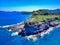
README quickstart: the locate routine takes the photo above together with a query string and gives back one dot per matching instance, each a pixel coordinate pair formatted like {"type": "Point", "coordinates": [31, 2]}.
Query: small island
{"type": "Point", "coordinates": [39, 23]}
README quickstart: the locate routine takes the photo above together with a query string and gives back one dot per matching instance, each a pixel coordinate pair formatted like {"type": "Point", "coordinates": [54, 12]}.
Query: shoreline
{"type": "Point", "coordinates": [6, 26]}
{"type": "Point", "coordinates": [31, 37]}
{"type": "Point", "coordinates": [46, 27]}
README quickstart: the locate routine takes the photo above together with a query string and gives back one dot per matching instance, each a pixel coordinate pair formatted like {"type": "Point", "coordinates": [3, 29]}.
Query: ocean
{"type": "Point", "coordinates": [52, 38]}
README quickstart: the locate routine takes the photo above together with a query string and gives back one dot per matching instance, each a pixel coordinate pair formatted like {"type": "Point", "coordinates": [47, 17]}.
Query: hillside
{"type": "Point", "coordinates": [41, 15]}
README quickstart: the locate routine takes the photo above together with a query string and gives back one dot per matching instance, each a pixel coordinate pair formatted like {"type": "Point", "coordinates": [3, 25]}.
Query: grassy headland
{"type": "Point", "coordinates": [40, 15]}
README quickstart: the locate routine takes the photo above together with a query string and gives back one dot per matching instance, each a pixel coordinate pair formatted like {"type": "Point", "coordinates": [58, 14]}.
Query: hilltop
{"type": "Point", "coordinates": [43, 14]}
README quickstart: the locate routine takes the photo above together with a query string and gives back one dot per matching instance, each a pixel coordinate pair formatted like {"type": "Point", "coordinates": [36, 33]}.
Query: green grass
{"type": "Point", "coordinates": [39, 18]}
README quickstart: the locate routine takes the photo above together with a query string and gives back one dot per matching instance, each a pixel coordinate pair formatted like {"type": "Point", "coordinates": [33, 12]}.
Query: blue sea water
{"type": "Point", "coordinates": [53, 38]}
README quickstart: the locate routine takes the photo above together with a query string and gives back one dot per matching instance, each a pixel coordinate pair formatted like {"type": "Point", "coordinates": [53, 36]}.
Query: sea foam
{"type": "Point", "coordinates": [14, 34]}
{"type": "Point", "coordinates": [6, 26]}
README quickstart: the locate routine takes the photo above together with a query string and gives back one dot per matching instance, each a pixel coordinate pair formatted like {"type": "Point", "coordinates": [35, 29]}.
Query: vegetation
{"type": "Point", "coordinates": [40, 15]}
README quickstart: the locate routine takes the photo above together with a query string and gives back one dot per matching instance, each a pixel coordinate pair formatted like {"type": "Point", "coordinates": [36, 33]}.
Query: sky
{"type": "Point", "coordinates": [28, 5]}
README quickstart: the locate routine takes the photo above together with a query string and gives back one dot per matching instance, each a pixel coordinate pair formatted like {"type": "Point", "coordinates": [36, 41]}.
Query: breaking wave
{"type": "Point", "coordinates": [14, 34]}
{"type": "Point", "coordinates": [6, 26]}
{"type": "Point", "coordinates": [49, 30]}
{"type": "Point", "coordinates": [27, 37]}
{"type": "Point", "coordinates": [43, 33]}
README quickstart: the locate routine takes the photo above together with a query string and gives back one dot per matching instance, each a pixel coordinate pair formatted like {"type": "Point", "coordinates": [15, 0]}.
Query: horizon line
{"type": "Point", "coordinates": [27, 8]}
{"type": "Point", "coordinates": [26, 11]}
